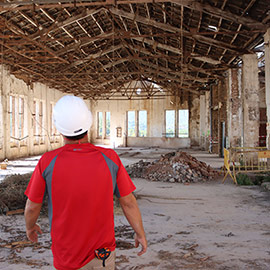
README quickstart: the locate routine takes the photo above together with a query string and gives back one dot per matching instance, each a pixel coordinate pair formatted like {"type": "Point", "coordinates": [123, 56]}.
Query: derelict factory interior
{"type": "Point", "coordinates": [168, 74]}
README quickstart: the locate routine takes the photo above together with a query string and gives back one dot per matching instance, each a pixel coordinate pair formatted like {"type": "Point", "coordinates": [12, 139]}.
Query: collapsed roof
{"type": "Point", "coordinates": [96, 49]}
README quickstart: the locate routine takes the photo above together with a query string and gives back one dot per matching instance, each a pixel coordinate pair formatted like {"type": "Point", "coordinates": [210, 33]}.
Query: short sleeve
{"type": "Point", "coordinates": [37, 186]}
{"type": "Point", "coordinates": [124, 184]}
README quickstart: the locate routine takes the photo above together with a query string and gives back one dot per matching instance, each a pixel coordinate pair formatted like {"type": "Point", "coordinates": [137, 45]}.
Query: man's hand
{"type": "Point", "coordinates": [141, 241]}
{"type": "Point", "coordinates": [32, 234]}
{"type": "Point", "coordinates": [31, 214]}
{"type": "Point", "coordinates": [133, 215]}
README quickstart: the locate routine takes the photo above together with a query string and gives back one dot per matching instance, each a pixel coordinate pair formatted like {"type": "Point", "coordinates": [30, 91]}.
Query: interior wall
{"type": "Point", "coordinates": [155, 122]}
{"type": "Point", "coordinates": [18, 136]}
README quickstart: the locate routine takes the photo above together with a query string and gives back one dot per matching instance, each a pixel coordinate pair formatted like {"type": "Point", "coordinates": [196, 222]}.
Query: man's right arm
{"type": "Point", "coordinates": [133, 215]}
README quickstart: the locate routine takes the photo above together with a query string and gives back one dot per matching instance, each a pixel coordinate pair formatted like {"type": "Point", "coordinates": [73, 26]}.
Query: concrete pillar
{"type": "Point", "coordinates": [203, 116]}
{"type": "Point", "coordinates": [194, 120]}
{"type": "Point", "coordinates": [250, 98]}
{"type": "Point", "coordinates": [267, 83]}
{"type": "Point", "coordinates": [234, 108]}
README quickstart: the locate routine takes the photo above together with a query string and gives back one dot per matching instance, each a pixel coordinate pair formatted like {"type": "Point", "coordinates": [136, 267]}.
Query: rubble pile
{"type": "Point", "coordinates": [12, 192]}
{"type": "Point", "coordinates": [12, 198]}
{"type": "Point", "coordinates": [173, 167]}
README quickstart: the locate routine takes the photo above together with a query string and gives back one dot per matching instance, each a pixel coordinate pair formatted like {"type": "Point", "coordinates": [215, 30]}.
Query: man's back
{"type": "Point", "coordinates": [80, 181]}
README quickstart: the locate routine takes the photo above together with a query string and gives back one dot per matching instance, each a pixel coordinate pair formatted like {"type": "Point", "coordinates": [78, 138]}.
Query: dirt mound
{"type": "Point", "coordinates": [12, 190]}
{"type": "Point", "coordinates": [173, 167]}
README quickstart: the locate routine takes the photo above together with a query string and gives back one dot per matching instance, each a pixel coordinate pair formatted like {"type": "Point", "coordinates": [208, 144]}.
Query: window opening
{"type": "Point", "coordinates": [170, 123]}
{"type": "Point", "coordinates": [11, 112]}
{"type": "Point", "coordinates": [183, 120]}
{"type": "Point", "coordinates": [21, 117]}
{"type": "Point", "coordinates": [142, 126]}
{"type": "Point", "coordinates": [108, 124]}
{"type": "Point", "coordinates": [131, 124]}
{"type": "Point", "coordinates": [100, 124]}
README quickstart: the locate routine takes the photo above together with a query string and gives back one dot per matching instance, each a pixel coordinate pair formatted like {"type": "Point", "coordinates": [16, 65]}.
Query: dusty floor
{"type": "Point", "coordinates": [198, 226]}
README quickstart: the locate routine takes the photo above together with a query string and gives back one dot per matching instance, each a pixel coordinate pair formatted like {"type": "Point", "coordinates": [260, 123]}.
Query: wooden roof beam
{"type": "Point", "coordinates": [219, 13]}
{"type": "Point", "coordinates": [25, 36]}
{"type": "Point", "coordinates": [86, 13]}
{"type": "Point", "coordinates": [206, 59]}
{"type": "Point", "coordinates": [175, 78]}
{"type": "Point", "coordinates": [187, 67]}
{"type": "Point", "coordinates": [96, 55]}
{"type": "Point", "coordinates": [172, 29]}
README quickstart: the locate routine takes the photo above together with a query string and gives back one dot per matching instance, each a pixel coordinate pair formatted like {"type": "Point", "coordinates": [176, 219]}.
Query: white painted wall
{"type": "Point", "coordinates": [155, 118]}
{"type": "Point", "coordinates": [14, 148]}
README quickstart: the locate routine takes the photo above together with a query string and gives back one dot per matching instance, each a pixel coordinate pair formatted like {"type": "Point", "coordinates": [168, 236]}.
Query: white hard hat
{"type": "Point", "coordinates": [71, 116]}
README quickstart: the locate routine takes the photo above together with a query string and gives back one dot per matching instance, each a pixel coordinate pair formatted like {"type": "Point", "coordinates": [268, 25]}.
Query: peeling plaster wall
{"type": "Point", "coordinates": [219, 116]}
{"type": "Point", "coordinates": [204, 120]}
{"type": "Point", "coordinates": [234, 108]}
{"type": "Point", "coordinates": [155, 122]}
{"type": "Point", "coordinates": [14, 148]}
{"type": "Point", "coordinates": [267, 83]}
{"type": "Point", "coordinates": [250, 97]}
{"type": "Point", "coordinates": [194, 128]}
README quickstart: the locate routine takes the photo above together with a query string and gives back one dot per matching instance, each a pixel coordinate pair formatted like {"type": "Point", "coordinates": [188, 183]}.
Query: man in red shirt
{"type": "Point", "coordinates": [80, 180]}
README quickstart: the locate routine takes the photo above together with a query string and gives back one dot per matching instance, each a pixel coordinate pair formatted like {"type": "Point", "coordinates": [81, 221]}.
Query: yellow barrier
{"type": "Point", "coordinates": [227, 166]}
{"type": "Point", "coordinates": [245, 159]}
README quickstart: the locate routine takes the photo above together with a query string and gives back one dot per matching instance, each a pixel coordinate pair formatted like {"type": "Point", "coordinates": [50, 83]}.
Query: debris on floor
{"type": "Point", "coordinates": [173, 167]}
{"type": "Point", "coordinates": [12, 192]}
{"type": "Point", "coordinates": [12, 198]}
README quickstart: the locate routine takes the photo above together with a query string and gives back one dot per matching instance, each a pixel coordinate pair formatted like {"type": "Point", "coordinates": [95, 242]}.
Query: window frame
{"type": "Point", "coordinates": [178, 123]}
{"type": "Point", "coordinates": [99, 125]}
{"type": "Point", "coordinates": [135, 126]}
{"type": "Point", "coordinates": [174, 126]}
{"type": "Point", "coordinates": [139, 130]}
{"type": "Point", "coordinates": [106, 122]}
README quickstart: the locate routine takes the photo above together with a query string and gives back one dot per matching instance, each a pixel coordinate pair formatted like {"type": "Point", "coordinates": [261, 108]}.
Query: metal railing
{"type": "Point", "coordinates": [244, 160]}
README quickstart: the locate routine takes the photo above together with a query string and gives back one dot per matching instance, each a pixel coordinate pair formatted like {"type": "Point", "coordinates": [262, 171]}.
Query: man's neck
{"type": "Point", "coordinates": [83, 140]}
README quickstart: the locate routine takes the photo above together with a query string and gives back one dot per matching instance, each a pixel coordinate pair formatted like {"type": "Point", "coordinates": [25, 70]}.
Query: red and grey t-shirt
{"type": "Point", "coordinates": [80, 180]}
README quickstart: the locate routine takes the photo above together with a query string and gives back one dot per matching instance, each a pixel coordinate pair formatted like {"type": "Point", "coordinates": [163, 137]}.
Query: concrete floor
{"type": "Point", "coordinates": [196, 226]}
{"type": "Point", "coordinates": [128, 156]}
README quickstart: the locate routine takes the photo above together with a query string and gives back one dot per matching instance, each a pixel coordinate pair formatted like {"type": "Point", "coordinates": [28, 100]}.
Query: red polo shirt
{"type": "Point", "coordinates": [80, 180]}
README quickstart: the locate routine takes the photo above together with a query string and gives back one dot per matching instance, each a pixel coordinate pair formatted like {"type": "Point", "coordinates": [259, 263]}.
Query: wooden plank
{"type": "Point", "coordinates": [15, 212]}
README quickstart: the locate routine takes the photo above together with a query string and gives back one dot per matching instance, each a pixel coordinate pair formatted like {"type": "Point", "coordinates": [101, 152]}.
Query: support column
{"type": "Point", "coordinates": [203, 116]}
{"type": "Point", "coordinates": [250, 98]}
{"type": "Point", "coordinates": [194, 120]}
{"type": "Point", "coordinates": [267, 83]}
{"type": "Point", "coordinates": [234, 108]}
{"type": "Point", "coordinates": [2, 116]}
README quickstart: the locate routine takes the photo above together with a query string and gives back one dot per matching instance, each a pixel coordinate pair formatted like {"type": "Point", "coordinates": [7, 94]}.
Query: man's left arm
{"type": "Point", "coordinates": [133, 215]}
{"type": "Point", "coordinates": [31, 214]}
